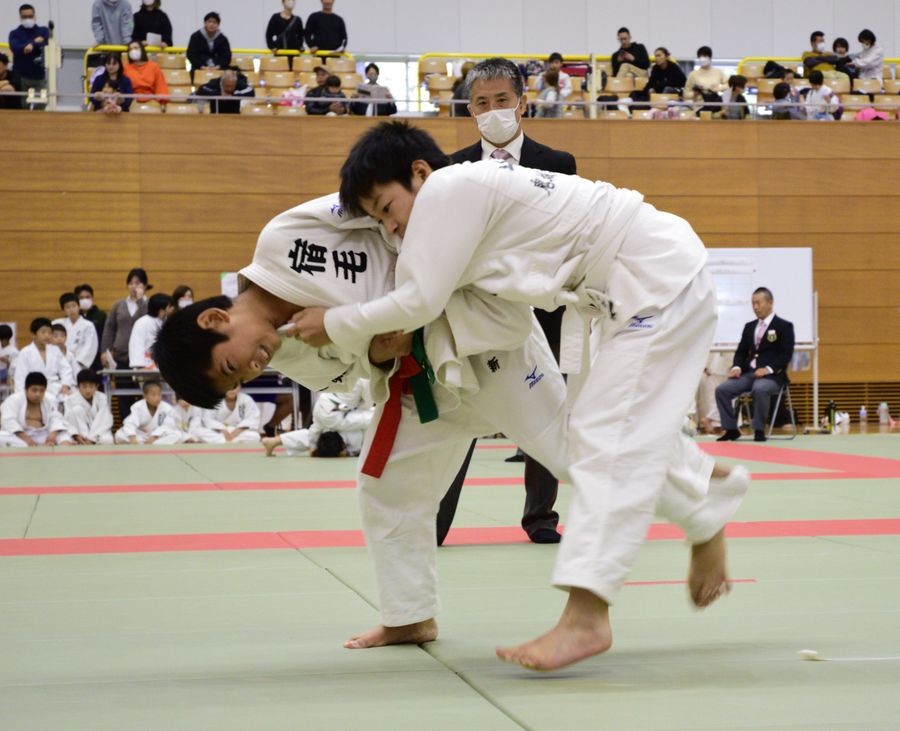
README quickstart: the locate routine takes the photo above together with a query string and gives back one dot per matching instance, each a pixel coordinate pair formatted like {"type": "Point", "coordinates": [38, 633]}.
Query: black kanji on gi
{"type": "Point", "coordinates": [494, 364]}
{"type": "Point", "coordinates": [352, 263]}
{"type": "Point", "coordinates": [307, 257]}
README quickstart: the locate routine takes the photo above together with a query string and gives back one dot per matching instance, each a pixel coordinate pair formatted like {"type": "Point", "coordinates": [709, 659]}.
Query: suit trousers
{"type": "Point", "coordinates": [762, 390]}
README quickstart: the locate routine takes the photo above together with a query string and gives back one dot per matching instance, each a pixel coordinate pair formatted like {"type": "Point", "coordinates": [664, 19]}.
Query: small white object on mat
{"type": "Point", "coordinates": [815, 656]}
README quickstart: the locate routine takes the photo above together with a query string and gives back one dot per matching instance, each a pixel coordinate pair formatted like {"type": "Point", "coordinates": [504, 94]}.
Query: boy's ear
{"type": "Point", "coordinates": [213, 318]}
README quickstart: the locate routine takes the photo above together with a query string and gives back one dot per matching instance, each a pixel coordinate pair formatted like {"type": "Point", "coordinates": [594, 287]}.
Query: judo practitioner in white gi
{"type": "Point", "coordinates": [42, 356]}
{"type": "Point", "coordinates": [81, 335]}
{"type": "Point", "coordinates": [184, 425]}
{"type": "Point", "coordinates": [634, 281]}
{"type": "Point", "coordinates": [235, 419]}
{"type": "Point", "coordinates": [146, 417]}
{"type": "Point", "coordinates": [145, 330]}
{"type": "Point", "coordinates": [87, 411]}
{"type": "Point", "coordinates": [30, 417]}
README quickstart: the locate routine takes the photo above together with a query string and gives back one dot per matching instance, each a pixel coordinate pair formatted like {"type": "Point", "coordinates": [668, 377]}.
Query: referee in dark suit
{"type": "Point", "coordinates": [497, 101]}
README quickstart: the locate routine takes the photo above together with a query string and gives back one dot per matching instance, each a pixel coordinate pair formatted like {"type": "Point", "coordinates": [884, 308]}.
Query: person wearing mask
{"type": "Point", "coordinates": [182, 297]}
{"type": "Point", "coordinates": [10, 82]}
{"type": "Point", "coordinates": [629, 59]}
{"type": "Point", "coordinates": [285, 30]}
{"type": "Point", "coordinates": [208, 47]}
{"type": "Point", "coordinates": [666, 77]}
{"type": "Point", "coordinates": [112, 22]}
{"type": "Point", "coordinates": [325, 30]}
{"type": "Point", "coordinates": [818, 58]}
{"type": "Point", "coordinates": [151, 20]}
{"type": "Point", "coordinates": [146, 76]}
{"type": "Point", "coordinates": [706, 82]}
{"type": "Point", "coordinates": [870, 61]}
{"type": "Point", "coordinates": [375, 100]}
{"type": "Point", "coordinates": [91, 313]}
{"type": "Point", "coordinates": [107, 88]}
{"type": "Point", "coordinates": [231, 83]}
{"type": "Point", "coordinates": [27, 43]}
{"type": "Point", "coordinates": [119, 324]}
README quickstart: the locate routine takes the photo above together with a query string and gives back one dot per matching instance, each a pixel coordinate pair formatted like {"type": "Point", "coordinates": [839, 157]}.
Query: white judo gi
{"type": "Point", "coordinates": [348, 414]}
{"type": "Point", "coordinates": [8, 354]}
{"type": "Point", "coordinates": [13, 420]}
{"type": "Point", "coordinates": [140, 423]}
{"type": "Point", "coordinates": [91, 420]}
{"type": "Point", "coordinates": [54, 366]}
{"type": "Point", "coordinates": [636, 276]}
{"type": "Point", "coordinates": [245, 415]}
{"type": "Point", "coordinates": [143, 335]}
{"type": "Point", "coordinates": [182, 424]}
{"type": "Point", "coordinates": [81, 340]}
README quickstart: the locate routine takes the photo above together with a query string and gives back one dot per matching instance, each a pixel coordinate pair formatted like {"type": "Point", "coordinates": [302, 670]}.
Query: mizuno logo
{"type": "Point", "coordinates": [534, 378]}
{"type": "Point", "coordinates": [640, 323]}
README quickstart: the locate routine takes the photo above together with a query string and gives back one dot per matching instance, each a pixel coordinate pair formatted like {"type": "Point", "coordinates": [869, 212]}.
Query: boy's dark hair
{"type": "Point", "coordinates": [623, 29]}
{"type": "Point", "coordinates": [555, 56]}
{"type": "Point", "coordinates": [213, 16]}
{"type": "Point", "coordinates": [867, 36]}
{"type": "Point", "coordinates": [35, 378]}
{"type": "Point", "coordinates": [157, 303]}
{"type": "Point", "coordinates": [84, 288]}
{"type": "Point", "coordinates": [704, 51]}
{"type": "Point", "coordinates": [736, 81]}
{"type": "Point", "coordinates": [816, 77]}
{"type": "Point", "coordinates": [781, 90]}
{"type": "Point", "coordinates": [330, 444]}
{"type": "Point", "coordinates": [59, 328]}
{"type": "Point", "coordinates": [183, 353]}
{"type": "Point", "coordinates": [65, 298]}
{"type": "Point", "coordinates": [333, 80]}
{"type": "Point", "coordinates": [5, 332]}
{"type": "Point", "coordinates": [840, 43]}
{"type": "Point", "coordinates": [4, 59]}
{"type": "Point", "coordinates": [766, 291]}
{"type": "Point", "coordinates": [38, 322]}
{"type": "Point", "coordinates": [373, 66]}
{"type": "Point", "coordinates": [148, 384]}
{"type": "Point", "coordinates": [816, 34]}
{"type": "Point", "coordinates": [86, 375]}
{"type": "Point", "coordinates": [384, 154]}
{"type": "Point", "coordinates": [26, 6]}
{"type": "Point", "coordinates": [140, 274]}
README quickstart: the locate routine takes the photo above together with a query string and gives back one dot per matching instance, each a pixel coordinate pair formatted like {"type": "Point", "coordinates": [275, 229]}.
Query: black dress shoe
{"type": "Point", "coordinates": [759, 436]}
{"type": "Point", "coordinates": [519, 456]}
{"type": "Point", "coordinates": [730, 435]}
{"type": "Point", "coordinates": [545, 535]}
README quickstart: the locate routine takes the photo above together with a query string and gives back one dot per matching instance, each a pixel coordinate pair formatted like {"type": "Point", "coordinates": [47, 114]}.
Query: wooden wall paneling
{"type": "Point", "coordinates": [854, 325]}
{"type": "Point", "coordinates": [841, 251]}
{"type": "Point", "coordinates": [89, 251]}
{"type": "Point", "coordinates": [219, 173]}
{"type": "Point", "coordinates": [39, 290]}
{"type": "Point", "coordinates": [705, 140]}
{"type": "Point", "coordinates": [73, 171]}
{"type": "Point", "coordinates": [204, 284]}
{"type": "Point", "coordinates": [732, 215]}
{"type": "Point", "coordinates": [780, 140]}
{"type": "Point", "coordinates": [858, 363]}
{"type": "Point", "coordinates": [210, 212]}
{"type": "Point", "coordinates": [665, 176]}
{"type": "Point", "coordinates": [197, 252]}
{"type": "Point", "coordinates": [594, 168]}
{"type": "Point", "coordinates": [582, 139]}
{"type": "Point", "coordinates": [829, 214]}
{"type": "Point", "coordinates": [871, 288]}
{"type": "Point", "coordinates": [105, 214]}
{"type": "Point", "coordinates": [86, 133]}
{"type": "Point", "coordinates": [229, 134]}
{"type": "Point", "coordinates": [851, 178]}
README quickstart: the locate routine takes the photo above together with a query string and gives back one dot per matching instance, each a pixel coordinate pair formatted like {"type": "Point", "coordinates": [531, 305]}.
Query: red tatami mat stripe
{"type": "Point", "coordinates": [457, 537]}
{"type": "Point", "coordinates": [850, 463]}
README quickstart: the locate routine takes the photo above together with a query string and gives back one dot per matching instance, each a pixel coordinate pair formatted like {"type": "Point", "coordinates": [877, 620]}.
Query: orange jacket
{"type": "Point", "coordinates": [147, 79]}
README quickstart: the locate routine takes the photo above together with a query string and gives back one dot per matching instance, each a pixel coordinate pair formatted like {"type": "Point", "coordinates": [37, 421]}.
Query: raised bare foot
{"type": "Point", "coordinates": [582, 631]}
{"type": "Point", "coordinates": [409, 634]}
{"type": "Point", "coordinates": [708, 576]}
{"type": "Point", "coordinates": [270, 443]}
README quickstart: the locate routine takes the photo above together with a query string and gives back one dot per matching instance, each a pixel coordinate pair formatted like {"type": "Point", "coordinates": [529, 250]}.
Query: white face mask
{"type": "Point", "coordinates": [134, 54]}
{"type": "Point", "coordinates": [866, 46]}
{"type": "Point", "coordinates": [820, 47]}
{"type": "Point", "coordinates": [185, 302]}
{"type": "Point", "coordinates": [704, 61]}
{"type": "Point", "coordinates": [149, 3]}
{"type": "Point", "coordinates": [28, 23]}
{"type": "Point", "coordinates": [498, 125]}
{"type": "Point", "coordinates": [85, 303]}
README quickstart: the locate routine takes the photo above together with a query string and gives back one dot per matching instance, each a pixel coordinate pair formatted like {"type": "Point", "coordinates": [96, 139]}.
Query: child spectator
{"type": "Point", "coordinates": [734, 103]}
{"type": "Point", "coordinates": [547, 102]}
{"type": "Point", "coordinates": [235, 419]}
{"type": "Point", "coordinates": [145, 330]}
{"type": "Point", "coordinates": [58, 337]}
{"type": "Point", "coordinates": [91, 313]}
{"type": "Point", "coordinates": [784, 106]}
{"type": "Point", "coordinates": [184, 425]}
{"type": "Point", "coordinates": [207, 47]}
{"type": "Point", "coordinates": [29, 418]}
{"type": "Point", "coordinates": [81, 338]}
{"type": "Point", "coordinates": [182, 297]}
{"type": "Point", "coordinates": [41, 356]}
{"type": "Point", "coordinates": [87, 411]}
{"type": "Point", "coordinates": [844, 61]}
{"type": "Point", "coordinates": [666, 76]}
{"type": "Point", "coordinates": [145, 75]}
{"type": "Point", "coordinates": [331, 90]}
{"type": "Point", "coordinates": [145, 418]}
{"type": "Point", "coordinates": [150, 19]}
{"type": "Point", "coordinates": [9, 83]}
{"type": "Point", "coordinates": [8, 354]}
{"type": "Point", "coordinates": [821, 101]}
{"type": "Point", "coordinates": [107, 88]}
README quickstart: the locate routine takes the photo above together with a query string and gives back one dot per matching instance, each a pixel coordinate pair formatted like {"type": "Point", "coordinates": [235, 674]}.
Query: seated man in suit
{"type": "Point", "coordinates": [496, 93]}
{"type": "Point", "coordinates": [759, 366]}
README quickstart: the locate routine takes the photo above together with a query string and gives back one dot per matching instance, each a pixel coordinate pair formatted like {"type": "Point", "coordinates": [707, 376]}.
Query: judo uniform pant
{"type": "Point", "coordinates": [628, 456]}
{"type": "Point", "coordinates": [122, 438]}
{"type": "Point", "coordinates": [79, 420]}
{"type": "Point", "coordinates": [40, 436]}
{"type": "Point", "coordinates": [213, 436]}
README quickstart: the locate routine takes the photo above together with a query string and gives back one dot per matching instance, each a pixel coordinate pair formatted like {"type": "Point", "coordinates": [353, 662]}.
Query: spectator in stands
{"type": "Point", "coordinates": [208, 47]}
{"type": "Point", "coordinates": [107, 88]}
{"type": "Point", "coordinates": [759, 366]}
{"type": "Point", "coordinates": [8, 354]}
{"type": "Point", "coordinates": [733, 100]}
{"type": "Point", "coordinates": [30, 417]}
{"type": "Point", "coordinates": [27, 43]}
{"type": "Point", "coordinates": [122, 316]}
{"type": "Point", "coordinates": [460, 91]}
{"type": "Point", "coordinates": [231, 83]}
{"type": "Point", "coordinates": [145, 330]}
{"type": "Point", "coordinates": [325, 30]}
{"type": "Point", "coordinates": [629, 59]}
{"type": "Point", "coordinates": [330, 91]}
{"type": "Point", "coordinates": [375, 100]}
{"type": "Point", "coordinates": [554, 63]}
{"type": "Point", "coordinates": [182, 297]}
{"type": "Point", "coordinates": [784, 106]}
{"type": "Point", "coordinates": [870, 61]}
{"type": "Point", "coordinates": [818, 59]}
{"type": "Point", "coordinates": [81, 335]}
{"type": "Point", "coordinates": [666, 76]}
{"type": "Point", "coordinates": [547, 104]}
{"type": "Point", "coordinates": [285, 30]}
{"type": "Point", "coordinates": [9, 84]}
{"type": "Point", "coordinates": [145, 75]}
{"type": "Point", "coordinates": [150, 19]}
{"type": "Point", "coordinates": [321, 77]}
{"type": "Point", "coordinates": [112, 22]}
{"type": "Point", "coordinates": [42, 356]}
{"type": "Point", "coordinates": [841, 48]}
{"type": "Point", "coordinates": [706, 82]}
{"type": "Point", "coordinates": [91, 313]}
{"type": "Point", "coordinates": [821, 101]}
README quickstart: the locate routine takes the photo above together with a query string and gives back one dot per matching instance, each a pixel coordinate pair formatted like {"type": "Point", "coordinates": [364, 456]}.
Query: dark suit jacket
{"type": "Point", "coordinates": [538, 157]}
{"type": "Point", "coordinates": [775, 349]}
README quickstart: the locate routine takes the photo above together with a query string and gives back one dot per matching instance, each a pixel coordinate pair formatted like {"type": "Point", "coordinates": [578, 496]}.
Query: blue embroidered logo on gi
{"type": "Point", "coordinates": [534, 378]}
{"type": "Point", "coordinates": [337, 210]}
{"type": "Point", "coordinates": [544, 181]}
{"type": "Point", "coordinates": [640, 323]}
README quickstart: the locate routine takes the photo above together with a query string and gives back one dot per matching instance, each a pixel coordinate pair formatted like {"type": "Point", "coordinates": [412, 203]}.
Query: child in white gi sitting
{"type": "Point", "coordinates": [29, 417]}
{"type": "Point", "coordinates": [235, 419]}
{"type": "Point", "coordinates": [145, 418]}
{"type": "Point", "coordinates": [59, 337]}
{"type": "Point", "coordinates": [44, 357]}
{"type": "Point", "coordinates": [184, 425]}
{"type": "Point", "coordinates": [87, 411]}
{"type": "Point", "coordinates": [8, 353]}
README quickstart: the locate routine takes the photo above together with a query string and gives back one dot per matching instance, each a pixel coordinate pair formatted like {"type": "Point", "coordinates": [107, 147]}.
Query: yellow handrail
{"type": "Point", "coordinates": [792, 59]}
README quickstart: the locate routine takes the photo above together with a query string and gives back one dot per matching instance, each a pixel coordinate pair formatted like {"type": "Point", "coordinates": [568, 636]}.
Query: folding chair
{"type": "Point", "coordinates": [784, 393]}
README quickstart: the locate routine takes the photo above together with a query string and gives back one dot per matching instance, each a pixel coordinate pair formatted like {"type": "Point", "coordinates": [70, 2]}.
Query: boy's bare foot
{"type": "Point", "coordinates": [270, 443]}
{"type": "Point", "coordinates": [409, 634]}
{"type": "Point", "coordinates": [708, 576]}
{"type": "Point", "coordinates": [582, 631]}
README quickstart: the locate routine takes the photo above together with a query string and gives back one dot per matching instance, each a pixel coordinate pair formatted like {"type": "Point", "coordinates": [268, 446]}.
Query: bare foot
{"type": "Point", "coordinates": [582, 631]}
{"type": "Point", "coordinates": [270, 443]}
{"type": "Point", "coordinates": [409, 634]}
{"type": "Point", "coordinates": [708, 576]}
